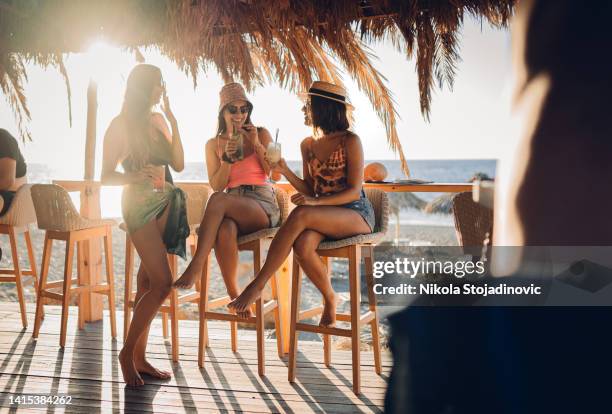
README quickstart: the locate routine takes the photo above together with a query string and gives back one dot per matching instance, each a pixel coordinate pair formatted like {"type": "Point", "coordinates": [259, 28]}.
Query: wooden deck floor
{"type": "Point", "coordinates": [88, 371]}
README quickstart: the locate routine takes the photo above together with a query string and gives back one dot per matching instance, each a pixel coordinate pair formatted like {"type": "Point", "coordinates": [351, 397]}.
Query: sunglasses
{"type": "Point", "coordinates": [234, 109]}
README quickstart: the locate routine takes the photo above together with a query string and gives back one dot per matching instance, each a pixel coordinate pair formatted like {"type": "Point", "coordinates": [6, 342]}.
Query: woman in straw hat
{"type": "Point", "coordinates": [331, 202]}
{"type": "Point", "coordinates": [153, 209]}
{"type": "Point", "coordinates": [249, 203]}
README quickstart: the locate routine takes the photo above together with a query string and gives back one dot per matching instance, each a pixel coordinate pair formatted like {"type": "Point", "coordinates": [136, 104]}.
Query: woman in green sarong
{"type": "Point", "coordinates": [155, 215]}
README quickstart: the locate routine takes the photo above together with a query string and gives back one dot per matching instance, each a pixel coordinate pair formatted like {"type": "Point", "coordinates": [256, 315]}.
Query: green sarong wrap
{"type": "Point", "coordinates": [140, 204]}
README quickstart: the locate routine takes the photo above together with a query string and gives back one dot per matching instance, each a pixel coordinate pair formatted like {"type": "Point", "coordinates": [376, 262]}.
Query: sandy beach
{"type": "Point", "coordinates": [409, 234]}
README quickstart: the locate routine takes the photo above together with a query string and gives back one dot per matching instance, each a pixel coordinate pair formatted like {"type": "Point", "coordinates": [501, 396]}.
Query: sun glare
{"type": "Point", "coordinates": [101, 58]}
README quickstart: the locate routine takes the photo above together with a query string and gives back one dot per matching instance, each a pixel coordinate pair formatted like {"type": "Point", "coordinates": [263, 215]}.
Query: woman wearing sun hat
{"type": "Point", "coordinates": [248, 203]}
{"type": "Point", "coordinates": [330, 199]}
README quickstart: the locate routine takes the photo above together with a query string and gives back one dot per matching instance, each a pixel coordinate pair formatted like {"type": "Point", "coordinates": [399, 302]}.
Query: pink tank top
{"type": "Point", "coordinates": [248, 171]}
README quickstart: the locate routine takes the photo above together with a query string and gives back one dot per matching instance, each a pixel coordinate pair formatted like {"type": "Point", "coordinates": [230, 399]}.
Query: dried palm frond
{"type": "Point", "coordinates": [251, 41]}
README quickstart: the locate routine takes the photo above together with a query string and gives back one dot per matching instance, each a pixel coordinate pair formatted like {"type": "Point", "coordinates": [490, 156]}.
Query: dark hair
{"type": "Point", "coordinates": [221, 127]}
{"type": "Point", "coordinates": [137, 110]}
{"type": "Point", "coordinates": [327, 115]}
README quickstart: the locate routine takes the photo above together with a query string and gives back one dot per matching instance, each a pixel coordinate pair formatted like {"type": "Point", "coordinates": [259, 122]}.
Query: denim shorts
{"type": "Point", "coordinates": [364, 208]}
{"type": "Point", "coordinates": [265, 195]}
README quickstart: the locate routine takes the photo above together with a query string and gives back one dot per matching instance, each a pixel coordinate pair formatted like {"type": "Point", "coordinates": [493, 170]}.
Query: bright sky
{"type": "Point", "coordinates": [470, 122]}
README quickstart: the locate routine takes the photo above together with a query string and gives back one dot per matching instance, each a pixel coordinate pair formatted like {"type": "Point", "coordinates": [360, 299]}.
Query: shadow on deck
{"type": "Point", "coordinates": [88, 370]}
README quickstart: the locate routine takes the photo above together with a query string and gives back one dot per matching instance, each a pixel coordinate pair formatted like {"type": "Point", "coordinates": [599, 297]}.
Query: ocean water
{"type": "Point", "coordinates": [450, 171]}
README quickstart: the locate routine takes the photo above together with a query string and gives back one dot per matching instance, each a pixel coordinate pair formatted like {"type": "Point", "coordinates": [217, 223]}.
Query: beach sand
{"type": "Point", "coordinates": [409, 234]}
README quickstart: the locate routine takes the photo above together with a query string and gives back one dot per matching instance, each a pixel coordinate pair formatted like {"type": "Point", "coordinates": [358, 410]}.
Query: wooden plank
{"type": "Point", "coordinates": [237, 377]}
{"type": "Point", "coordinates": [77, 386]}
{"type": "Point", "coordinates": [76, 185]}
{"type": "Point", "coordinates": [404, 188]}
{"type": "Point", "coordinates": [158, 349]}
{"type": "Point", "coordinates": [161, 400]}
{"type": "Point", "coordinates": [88, 370]}
{"type": "Point", "coordinates": [97, 335]}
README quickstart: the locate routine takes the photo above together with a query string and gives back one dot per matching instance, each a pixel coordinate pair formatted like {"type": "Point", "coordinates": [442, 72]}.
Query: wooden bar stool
{"type": "Point", "coordinates": [353, 249]}
{"type": "Point", "coordinates": [16, 221]}
{"type": "Point", "coordinates": [255, 242]}
{"type": "Point", "coordinates": [58, 217]}
{"type": "Point", "coordinates": [196, 198]}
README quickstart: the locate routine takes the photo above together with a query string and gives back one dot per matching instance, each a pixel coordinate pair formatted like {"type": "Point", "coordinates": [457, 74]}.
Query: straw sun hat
{"type": "Point", "coordinates": [232, 92]}
{"type": "Point", "coordinates": [328, 91]}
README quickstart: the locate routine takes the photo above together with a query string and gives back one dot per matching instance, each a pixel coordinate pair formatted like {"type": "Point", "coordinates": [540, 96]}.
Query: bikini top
{"type": "Point", "coordinates": [159, 154]}
{"type": "Point", "coordinates": [329, 176]}
{"type": "Point", "coordinates": [247, 171]}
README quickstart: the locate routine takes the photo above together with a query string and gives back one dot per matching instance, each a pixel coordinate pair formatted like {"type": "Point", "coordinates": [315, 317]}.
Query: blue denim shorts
{"type": "Point", "coordinates": [364, 208]}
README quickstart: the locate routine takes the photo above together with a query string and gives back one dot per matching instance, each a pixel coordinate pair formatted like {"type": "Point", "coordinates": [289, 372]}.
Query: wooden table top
{"type": "Point", "coordinates": [75, 185]}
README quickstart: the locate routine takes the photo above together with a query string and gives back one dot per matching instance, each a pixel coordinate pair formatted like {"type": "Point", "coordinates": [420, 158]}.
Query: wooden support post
{"type": "Point", "coordinates": [92, 305]}
{"type": "Point", "coordinates": [284, 277]}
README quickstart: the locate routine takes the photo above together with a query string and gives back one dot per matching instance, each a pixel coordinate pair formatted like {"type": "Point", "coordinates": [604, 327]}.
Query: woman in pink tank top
{"type": "Point", "coordinates": [244, 201]}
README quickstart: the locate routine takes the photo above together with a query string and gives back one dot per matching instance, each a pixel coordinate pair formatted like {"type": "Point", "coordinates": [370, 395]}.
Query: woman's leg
{"type": "Point", "coordinates": [333, 222]}
{"type": "Point", "coordinates": [305, 250]}
{"type": "Point", "coordinates": [152, 252]}
{"type": "Point", "coordinates": [142, 365]}
{"type": "Point", "coordinates": [246, 212]}
{"type": "Point", "coordinates": [226, 251]}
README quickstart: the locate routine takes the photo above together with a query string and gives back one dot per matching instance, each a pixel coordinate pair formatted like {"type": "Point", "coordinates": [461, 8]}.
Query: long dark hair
{"type": "Point", "coordinates": [222, 127]}
{"type": "Point", "coordinates": [137, 111]}
{"type": "Point", "coordinates": [327, 115]}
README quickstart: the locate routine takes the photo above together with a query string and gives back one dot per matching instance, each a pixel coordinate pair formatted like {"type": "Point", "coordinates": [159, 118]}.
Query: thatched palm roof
{"type": "Point", "coordinates": [251, 41]}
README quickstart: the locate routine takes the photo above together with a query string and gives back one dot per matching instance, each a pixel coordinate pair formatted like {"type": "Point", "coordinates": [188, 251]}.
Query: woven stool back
{"type": "Point", "coordinates": [21, 212]}
{"type": "Point", "coordinates": [54, 208]}
{"type": "Point", "coordinates": [380, 202]}
{"type": "Point", "coordinates": [472, 221]}
{"type": "Point", "coordinates": [197, 197]}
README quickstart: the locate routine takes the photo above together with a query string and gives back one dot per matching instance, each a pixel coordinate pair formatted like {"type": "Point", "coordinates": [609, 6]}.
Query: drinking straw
{"type": "Point", "coordinates": [276, 138]}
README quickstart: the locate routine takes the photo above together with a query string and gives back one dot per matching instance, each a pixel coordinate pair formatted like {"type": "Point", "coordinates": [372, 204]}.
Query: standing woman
{"type": "Point", "coordinates": [156, 218]}
{"type": "Point", "coordinates": [331, 203]}
{"type": "Point", "coordinates": [249, 203]}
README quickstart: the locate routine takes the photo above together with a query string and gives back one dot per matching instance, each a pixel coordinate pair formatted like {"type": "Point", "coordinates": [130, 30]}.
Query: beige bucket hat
{"type": "Point", "coordinates": [232, 92]}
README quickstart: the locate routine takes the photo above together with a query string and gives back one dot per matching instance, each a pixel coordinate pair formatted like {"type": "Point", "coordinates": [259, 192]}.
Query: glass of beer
{"type": "Point", "coordinates": [159, 178]}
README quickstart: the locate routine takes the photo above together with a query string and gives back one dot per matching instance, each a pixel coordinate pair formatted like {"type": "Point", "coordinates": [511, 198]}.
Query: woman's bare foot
{"type": "Point", "coordinates": [249, 295]}
{"type": "Point", "coordinates": [129, 371]}
{"type": "Point", "coordinates": [144, 367]}
{"type": "Point", "coordinates": [328, 317]}
{"type": "Point", "coordinates": [246, 314]}
{"type": "Point", "coordinates": [188, 277]}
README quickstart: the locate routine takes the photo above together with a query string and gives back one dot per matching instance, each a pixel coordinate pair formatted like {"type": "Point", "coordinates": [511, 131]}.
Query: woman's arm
{"type": "Point", "coordinates": [305, 185]}
{"type": "Point", "coordinates": [260, 140]}
{"type": "Point", "coordinates": [114, 149]}
{"type": "Point", "coordinates": [177, 161]}
{"type": "Point", "coordinates": [8, 168]}
{"type": "Point", "coordinates": [354, 179]}
{"type": "Point", "coordinates": [218, 170]}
